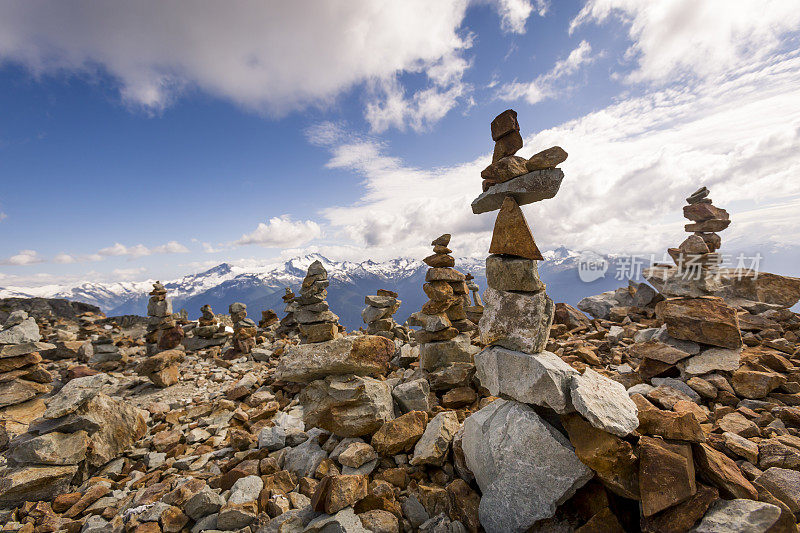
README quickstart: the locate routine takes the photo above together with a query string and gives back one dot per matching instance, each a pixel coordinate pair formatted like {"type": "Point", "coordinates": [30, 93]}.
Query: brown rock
{"type": "Point", "coordinates": [464, 504]}
{"type": "Point", "coordinates": [604, 521]}
{"type": "Point", "coordinates": [682, 517]}
{"type": "Point", "coordinates": [321, 332]}
{"type": "Point", "coordinates": [667, 424]}
{"type": "Point", "coordinates": [443, 274]}
{"type": "Point", "coordinates": [511, 233]}
{"type": "Point", "coordinates": [401, 434]}
{"type": "Point", "coordinates": [701, 212]}
{"type": "Point", "coordinates": [165, 377]}
{"type": "Point", "coordinates": [658, 351]}
{"type": "Point", "coordinates": [666, 474]}
{"type": "Point", "coordinates": [708, 320]}
{"type": "Point", "coordinates": [441, 240]}
{"type": "Point", "coordinates": [754, 384]}
{"type": "Point", "coordinates": [507, 145]}
{"type": "Point", "coordinates": [505, 169]}
{"type": "Point", "coordinates": [708, 225]}
{"type": "Point", "coordinates": [458, 397]}
{"type": "Point", "coordinates": [439, 261]}
{"type": "Point", "coordinates": [334, 493]}
{"type": "Point", "coordinates": [608, 455]}
{"type": "Point", "coordinates": [719, 470]}
{"type": "Point", "coordinates": [549, 158]}
{"type": "Point", "coordinates": [504, 123]}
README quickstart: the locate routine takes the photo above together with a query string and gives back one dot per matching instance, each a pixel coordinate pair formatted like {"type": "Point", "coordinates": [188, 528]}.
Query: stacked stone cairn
{"type": "Point", "coordinates": [208, 332]}
{"type": "Point", "coordinates": [443, 336]}
{"type": "Point", "coordinates": [87, 326]}
{"type": "Point", "coordinates": [23, 380]}
{"type": "Point", "coordinates": [509, 446]}
{"type": "Point", "coordinates": [164, 336]}
{"type": "Point", "coordinates": [81, 430]}
{"type": "Point", "coordinates": [244, 332]}
{"type": "Point", "coordinates": [268, 319]}
{"type": "Point", "coordinates": [163, 331]}
{"type": "Point", "coordinates": [377, 315]}
{"type": "Point", "coordinates": [474, 309]}
{"type": "Point", "coordinates": [105, 351]}
{"type": "Point", "coordinates": [317, 323]}
{"type": "Point", "coordinates": [288, 325]}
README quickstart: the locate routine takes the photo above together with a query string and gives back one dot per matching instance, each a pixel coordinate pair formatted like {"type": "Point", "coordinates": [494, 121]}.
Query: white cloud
{"type": "Point", "coordinates": [140, 250]}
{"type": "Point", "coordinates": [64, 259]}
{"type": "Point", "coordinates": [549, 85]}
{"type": "Point", "coordinates": [23, 258]}
{"type": "Point", "coordinates": [270, 56]}
{"type": "Point", "coordinates": [128, 273]}
{"type": "Point", "coordinates": [631, 165]}
{"type": "Point", "coordinates": [282, 232]}
{"type": "Point", "coordinates": [515, 13]}
{"type": "Point", "coordinates": [705, 39]}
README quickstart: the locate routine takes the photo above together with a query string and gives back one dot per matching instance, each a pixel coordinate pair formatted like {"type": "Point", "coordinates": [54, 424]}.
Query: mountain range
{"type": "Point", "coordinates": [261, 287]}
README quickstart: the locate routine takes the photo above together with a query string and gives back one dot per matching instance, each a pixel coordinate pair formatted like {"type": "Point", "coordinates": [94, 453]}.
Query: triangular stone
{"type": "Point", "coordinates": [511, 235]}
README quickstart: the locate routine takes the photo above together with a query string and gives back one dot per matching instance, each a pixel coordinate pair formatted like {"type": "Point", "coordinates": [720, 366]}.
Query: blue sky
{"type": "Point", "coordinates": [152, 140]}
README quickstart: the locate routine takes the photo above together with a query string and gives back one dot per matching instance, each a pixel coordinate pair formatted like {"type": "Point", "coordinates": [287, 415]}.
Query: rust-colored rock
{"type": "Point", "coordinates": [511, 234]}
{"type": "Point", "coordinates": [708, 320]}
{"type": "Point", "coordinates": [549, 158]}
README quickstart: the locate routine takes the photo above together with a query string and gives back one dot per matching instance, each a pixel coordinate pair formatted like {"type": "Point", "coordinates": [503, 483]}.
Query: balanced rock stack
{"type": "Point", "coordinates": [268, 319]}
{"type": "Point", "coordinates": [317, 323]}
{"type": "Point", "coordinates": [163, 332]}
{"type": "Point", "coordinates": [81, 430]}
{"type": "Point", "coordinates": [509, 446]}
{"type": "Point", "coordinates": [288, 325]}
{"type": "Point", "coordinates": [377, 315]}
{"type": "Point", "coordinates": [208, 332]}
{"type": "Point", "coordinates": [87, 326]}
{"type": "Point", "coordinates": [525, 180]}
{"type": "Point", "coordinates": [105, 352]}
{"type": "Point", "coordinates": [443, 335]}
{"type": "Point", "coordinates": [700, 247]}
{"type": "Point", "coordinates": [22, 379]}
{"type": "Point", "coordinates": [474, 310]}
{"type": "Point", "coordinates": [244, 332]}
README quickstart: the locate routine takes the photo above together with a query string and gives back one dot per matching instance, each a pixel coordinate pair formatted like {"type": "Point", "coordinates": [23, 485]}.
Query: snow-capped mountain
{"type": "Point", "coordinates": [261, 286]}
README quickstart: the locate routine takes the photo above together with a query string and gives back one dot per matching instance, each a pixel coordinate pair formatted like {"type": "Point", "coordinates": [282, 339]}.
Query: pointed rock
{"type": "Point", "coordinates": [511, 234]}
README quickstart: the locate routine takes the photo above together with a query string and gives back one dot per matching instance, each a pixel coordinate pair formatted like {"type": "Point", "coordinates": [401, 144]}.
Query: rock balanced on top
{"type": "Point", "coordinates": [706, 220]}
{"type": "Point", "coordinates": [378, 315]}
{"type": "Point", "coordinates": [244, 332]}
{"type": "Point", "coordinates": [317, 323]}
{"type": "Point", "coordinates": [288, 324]}
{"type": "Point", "coordinates": [163, 332]}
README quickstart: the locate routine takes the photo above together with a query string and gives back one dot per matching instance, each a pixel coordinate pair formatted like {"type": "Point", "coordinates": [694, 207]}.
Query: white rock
{"type": "Point", "coordinates": [540, 378]}
{"type": "Point", "coordinates": [711, 360]}
{"type": "Point", "coordinates": [738, 516]}
{"type": "Point", "coordinates": [432, 447]}
{"type": "Point", "coordinates": [604, 403]}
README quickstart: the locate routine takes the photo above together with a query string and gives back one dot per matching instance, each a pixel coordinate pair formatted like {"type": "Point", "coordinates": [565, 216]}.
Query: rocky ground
{"type": "Point", "coordinates": [260, 443]}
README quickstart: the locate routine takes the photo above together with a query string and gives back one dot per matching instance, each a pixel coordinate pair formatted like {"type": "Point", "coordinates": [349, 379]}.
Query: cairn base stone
{"type": "Point", "coordinates": [517, 321]}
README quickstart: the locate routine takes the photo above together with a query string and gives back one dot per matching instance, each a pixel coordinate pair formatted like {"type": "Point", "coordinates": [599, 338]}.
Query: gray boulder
{"type": "Point", "coordinates": [516, 320]}
{"type": "Point", "coordinates": [524, 467]}
{"type": "Point", "coordinates": [604, 403]}
{"type": "Point", "coordinates": [738, 516]}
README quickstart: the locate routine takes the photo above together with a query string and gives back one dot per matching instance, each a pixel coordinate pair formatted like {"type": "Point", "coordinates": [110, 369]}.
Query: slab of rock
{"type": "Point", "coordinates": [401, 434]}
{"type": "Point", "coordinates": [24, 332]}
{"type": "Point", "coordinates": [719, 470]}
{"type": "Point", "coordinates": [604, 403]}
{"type": "Point", "coordinates": [511, 234]}
{"type": "Point", "coordinates": [666, 474]}
{"type": "Point", "coordinates": [503, 124]}
{"type": "Point", "coordinates": [348, 406]}
{"type": "Point", "coordinates": [16, 350]}
{"type": "Point", "coordinates": [511, 450]}
{"type": "Point", "coordinates": [516, 321]}
{"type": "Point", "coordinates": [52, 449]}
{"type": "Point", "coordinates": [355, 354]}
{"type": "Point", "coordinates": [34, 483]}
{"type": "Point", "coordinates": [598, 305]}
{"type": "Point", "coordinates": [505, 169]}
{"type": "Point", "coordinates": [526, 189]}
{"type": "Point", "coordinates": [540, 379]}
{"type": "Point", "coordinates": [684, 515]}
{"type": "Point", "coordinates": [413, 395]}
{"type": "Point", "coordinates": [609, 456]}
{"type": "Point", "coordinates": [739, 516]}
{"type": "Point", "coordinates": [432, 447]}
{"type": "Point", "coordinates": [711, 360]}
{"type": "Point", "coordinates": [509, 273]}
{"type": "Point", "coordinates": [658, 351]}
{"type": "Point", "coordinates": [784, 484]}
{"type": "Point", "coordinates": [706, 320]}
{"type": "Point", "coordinates": [20, 390]}
{"type": "Point", "coordinates": [435, 355]}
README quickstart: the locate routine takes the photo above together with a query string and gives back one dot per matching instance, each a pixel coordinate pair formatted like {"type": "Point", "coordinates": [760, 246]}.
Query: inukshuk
{"type": "Point", "coordinates": [377, 314]}
{"type": "Point", "coordinates": [244, 332]}
{"type": "Point", "coordinates": [316, 321]}
{"type": "Point", "coordinates": [442, 337]}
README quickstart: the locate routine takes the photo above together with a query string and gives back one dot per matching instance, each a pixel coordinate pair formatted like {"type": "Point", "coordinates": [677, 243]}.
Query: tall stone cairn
{"type": "Point", "coordinates": [377, 314]}
{"type": "Point", "coordinates": [23, 380]}
{"type": "Point", "coordinates": [443, 337]}
{"type": "Point", "coordinates": [163, 332]}
{"type": "Point", "coordinates": [698, 251]}
{"type": "Point", "coordinates": [317, 323]}
{"type": "Point", "coordinates": [244, 332]}
{"type": "Point", "coordinates": [288, 324]}
{"type": "Point", "coordinates": [473, 309]}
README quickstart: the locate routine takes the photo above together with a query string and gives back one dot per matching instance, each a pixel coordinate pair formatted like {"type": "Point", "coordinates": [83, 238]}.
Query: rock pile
{"type": "Point", "coordinates": [244, 332]}
{"type": "Point", "coordinates": [317, 323]}
{"type": "Point", "coordinates": [23, 379]}
{"type": "Point", "coordinates": [443, 335]}
{"type": "Point", "coordinates": [163, 332]}
{"type": "Point", "coordinates": [81, 430]}
{"type": "Point", "coordinates": [208, 332]}
{"type": "Point", "coordinates": [288, 326]}
{"type": "Point", "coordinates": [377, 315]}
